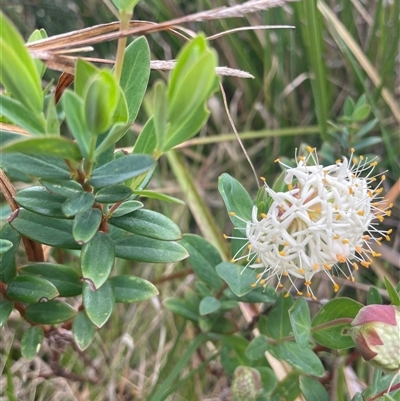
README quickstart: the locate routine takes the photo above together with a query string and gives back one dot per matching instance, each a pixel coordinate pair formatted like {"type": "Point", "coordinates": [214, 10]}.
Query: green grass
{"type": "Point", "coordinates": [302, 78]}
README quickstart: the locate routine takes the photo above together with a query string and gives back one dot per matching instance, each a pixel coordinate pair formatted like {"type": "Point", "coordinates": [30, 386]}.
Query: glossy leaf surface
{"type": "Point", "coordinates": [113, 193]}
{"type": "Point", "coordinates": [86, 225]}
{"type": "Point", "coordinates": [52, 312]}
{"type": "Point", "coordinates": [83, 330]}
{"type": "Point", "coordinates": [78, 204]}
{"type": "Point", "coordinates": [98, 304]}
{"type": "Point", "coordinates": [31, 342]}
{"type": "Point", "coordinates": [237, 277]}
{"type": "Point", "coordinates": [132, 289]}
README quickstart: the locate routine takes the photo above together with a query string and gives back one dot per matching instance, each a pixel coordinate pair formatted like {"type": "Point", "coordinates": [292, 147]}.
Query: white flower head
{"type": "Point", "coordinates": [327, 217]}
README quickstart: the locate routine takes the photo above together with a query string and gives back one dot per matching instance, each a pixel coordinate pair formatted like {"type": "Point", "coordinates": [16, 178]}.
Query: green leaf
{"type": "Point", "coordinates": [132, 289]}
{"type": "Point", "coordinates": [117, 131]}
{"type": "Point", "coordinates": [120, 170]}
{"type": "Point", "coordinates": [160, 118]}
{"type": "Point", "coordinates": [46, 230]}
{"type": "Point", "coordinates": [8, 265]}
{"type": "Point", "coordinates": [6, 308]}
{"type": "Point", "coordinates": [97, 260]}
{"type": "Point", "coordinates": [373, 296]}
{"type": "Point", "coordinates": [209, 305]}
{"type": "Point", "coordinates": [257, 348]}
{"type": "Point", "coordinates": [239, 278]}
{"type": "Point", "coordinates": [365, 129]}
{"type": "Point", "coordinates": [52, 312]}
{"type": "Point", "coordinates": [75, 117]}
{"type": "Point", "coordinates": [113, 193]}
{"type": "Point", "coordinates": [86, 225]}
{"type": "Point", "coordinates": [288, 389]}
{"type": "Point", "coordinates": [48, 167]}
{"type": "Point", "coordinates": [18, 71]}
{"type": "Point", "coordinates": [83, 330]}
{"type": "Point", "coordinates": [144, 249]}
{"type": "Point", "coordinates": [31, 342]}
{"type": "Point", "coordinates": [312, 389]}
{"type": "Point", "coordinates": [64, 278]}
{"type": "Point", "coordinates": [31, 289]}
{"type": "Point", "coordinates": [180, 307]}
{"type": "Point", "coordinates": [302, 359]}
{"type": "Point", "coordinates": [35, 36]}
{"type": "Point", "coordinates": [135, 75]}
{"type": "Point", "coordinates": [222, 325]}
{"type": "Point", "coordinates": [39, 200]}
{"type": "Point", "coordinates": [147, 140]}
{"type": "Point", "coordinates": [236, 199]}
{"type": "Point", "coordinates": [20, 115]}
{"type": "Point", "coordinates": [149, 224]}
{"type": "Point", "coordinates": [64, 188]}
{"type": "Point", "coordinates": [157, 195]}
{"type": "Point", "coordinates": [203, 258]}
{"type": "Point", "coordinates": [335, 337]}
{"type": "Point", "coordinates": [278, 322]}
{"type": "Point", "coordinates": [348, 107]}
{"type": "Point", "coordinates": [393, 294]}
{"type": "Point", "coordinates": [300, 320]}
{"type": "Point", "coordinates": [361, 112]}
{"type": "Point", "coordinates": [84, 73]}
{"type": "Point", "coordinates": [127, 207]}
{"type": "Point", "coordinates": [53, 124]}
{"type": "Point", "coordinates": [51, 146]}
{"type": "Point", "coordinates": [98, 304]}
{"type": "Point", "coordinates": [5, 245]}
{"type": "Point", "coordinates": [78, 204]}
{"type": "Point", "coordinates": [258, 295]}
{"type": "Point", "coordinates": [100, 101]}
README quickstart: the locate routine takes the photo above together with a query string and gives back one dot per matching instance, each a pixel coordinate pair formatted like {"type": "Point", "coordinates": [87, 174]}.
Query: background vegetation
{"type": "Point", "coordinates": [338, 49]}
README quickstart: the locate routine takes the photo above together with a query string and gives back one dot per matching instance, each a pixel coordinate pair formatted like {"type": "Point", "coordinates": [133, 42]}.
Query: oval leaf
{"type": "Point", "coordinates": [299, 315]}
{"type": "Point", "coordinates": [5, 246]}
{"type": "Point", "coordinates": [46, 230]}
{"type": "Point", "coordinates": [113, 193]}
{"type": "Point", "coordinates": [236, 200]}
{"type": "Point", "coordinates": [180, 307]}
{"type": "Point", "coordinates": [51, 146]}
{"type": "Point", "coordinates": [31, 342]}
{"type": "Point", "coordinates": [78, 204]}
{"type": "Point", "coordinates": [64, 278]}
{"type": "Point", "coordinates": [97, 259]}
{"type": "Point", "coordinates": [39, 200]}
{"type": "Point", "coordinates": [86, 225]}
{"type": "Point", "coordinates": [121, 169]}
{"type": "Point", "coordinates": [144, 249]}
{"type": "Point", "coordinates": [209, 305]}
{"type": "Point", "coordinates": [98, 304]}
{"type": "Point", "coordinates": [237, 277]}
{"type": "Point", "coordinates": [83, 330]}
{"type": "Point", "coordinates": [149, 224]}
{"type": "Point", "coordinates": [52, 312]}
{"type": "Point", "coordinates": [64, 188]}
{"type": "Point", "coordinates": [31, 289]}
{"type": "Point", "coordinates": [6, 308]}
{"type": "Point", "coordinates": [312, 389]}
{"type": "Point", "coordinates": [203, 259]}
{"type": "Point", "coordinates": [257, 348]}
{"type": "Point", "coordinates": [132, 289]}
{"type": "Point", "coordinates": [127, 207]}
{"type": "Point", "coordinates": [335, 337]}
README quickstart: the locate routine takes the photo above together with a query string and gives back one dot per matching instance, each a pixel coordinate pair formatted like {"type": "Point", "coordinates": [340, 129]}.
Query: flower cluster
{"type": "Point", "coordinates": [324, 221]}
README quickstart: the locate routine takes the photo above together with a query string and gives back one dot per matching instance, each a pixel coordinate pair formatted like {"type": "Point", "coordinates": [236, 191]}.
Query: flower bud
{"type": "Point", "coordinates": [246, 384]}
{"type": "Point", "coordinates": [376, 334]}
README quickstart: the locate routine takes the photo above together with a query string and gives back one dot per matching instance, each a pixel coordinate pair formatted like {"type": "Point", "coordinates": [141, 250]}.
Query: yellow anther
{"type": "Point", "coordinates": [372, 179]}
{"type": "Point", "coordinates": [263, 281]}
{"type": "Point", "coordinates": [376, 254]}
{"type": "Point", "coordinates": [361, 212]}
{"type": "Point", "coordinates": [351, 191]}
{"type": "Point", "coordinates": [232, 213]}
{"type": "Point", "coordinates": [286, 295]}
{"type": "Point", "coordinates": [338, 217]}
{"type": "Point", "coordinates": [366, 237]}
{"type": "Point", "coordinates": [308, 295]}
{"type": "Point", "coordinates": [263, 215]}
{"type": "Point", "coordinates": [355, 265]}
{"type": "Point", "coordinates": [370, 194]}
{"type": "Point", "coordinates": [378, 191]}
{"type": "Point", "coordinates": [355, 160]}
{"type": "Point", "coordinates": [290, 187]}
{"type": "Point", "coordinates": [253, 285]}
{"type": "Point", "coordinates": [282, 253]}
{"type": "Point", "coordinates": [307, 282]}
{"type": "Point", "coordinates": [353, 279]}
{"type": "Point", "coordinates": [383, 177]}
{"type": "Point", "coordinates": [336, 236]}
{"type": "Point", "coordinates": [225, 236]}
{"type": "Point", "coordinates": [341, 258]}
{"type": "Point", "coordinates": [387, 238]}
{"type": "Point", "coordinates": [358, 248]}
{"type": "Point", "coordinates": [365, 263]}
{"type": "Point", "coordinates": [277, 160]}
{"type": "Point", "coordinates": [380, 218]}
{"type": "Point", "coordinates": [285, 243]}
{"type": "Point", "coordinates": [301, 158]}
{"type": "Point", "coordinates": [263, 179]}
{"type": "Point", "coordinates": [285, 274]}
{"type": "Point", "coordinates": [389, 231]}
{"type": "Point", "coordinates": [373, 164]}
{"type": "Point", "coordinates": [310, 149]}
{"type": "Point", "coordinates": [299, 293]}
{"type": "Point", "coordinates": [352, 150]}
{"type": "Point", "coordinates": [258, 260]}
{"type": "Point", "coordinates": [361, 157]}
{"type": "Point", "coordinates": [327, 267]}
{"type": "Point", "coordinates": [316, 266]}
{"type": "Point", "coordinates": [233, 260]}
{"type": "Point", "coordinates": [249, 247]}
{"type": "Point", "coordinates": [301, 271]}
{"type": "Point", "coordinates": [338, 161]}
{"type": "Point", "coordinates": [280, 285]}
{"type": "Point", "coordinates": [345, 241]}
{"type": "Point", "coordinates": [335, 287]}
{"type": "Point", "coordinates": [388, 212]}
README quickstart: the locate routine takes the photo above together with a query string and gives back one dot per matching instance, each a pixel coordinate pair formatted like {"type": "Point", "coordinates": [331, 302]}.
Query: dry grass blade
{"type": "Point", "coordinates": [338, 30]}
